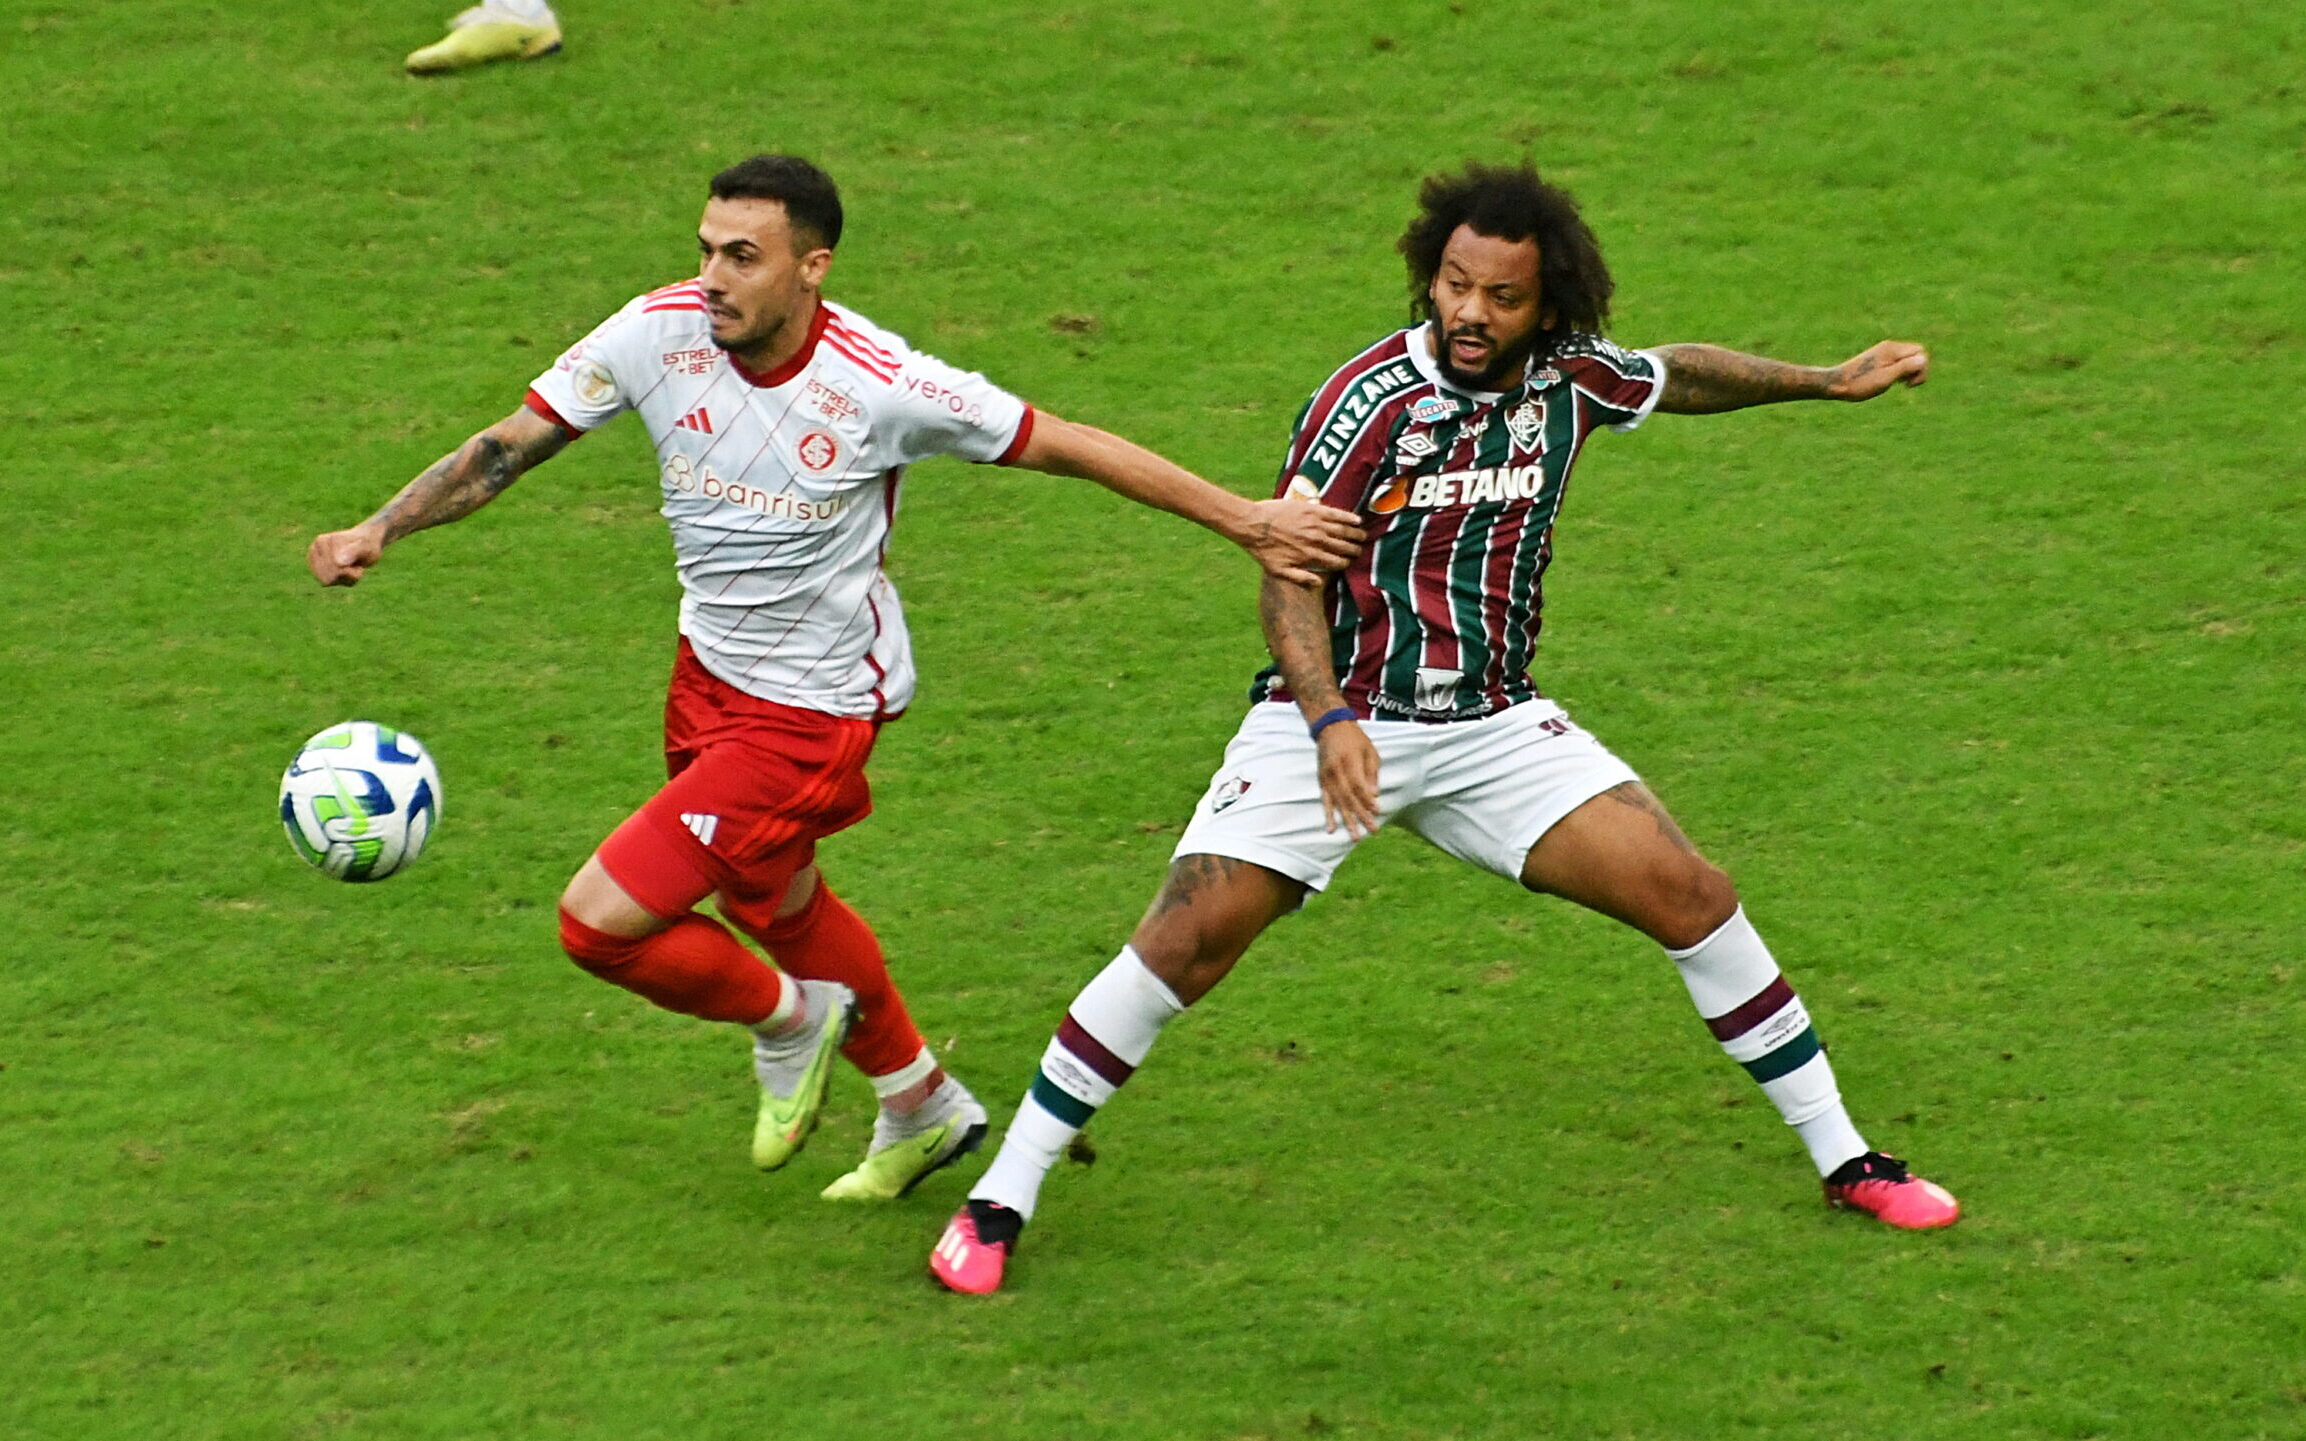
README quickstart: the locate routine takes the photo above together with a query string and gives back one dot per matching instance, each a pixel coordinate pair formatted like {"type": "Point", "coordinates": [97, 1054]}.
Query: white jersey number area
{"type": "Point", "coordinates": [780, 487]}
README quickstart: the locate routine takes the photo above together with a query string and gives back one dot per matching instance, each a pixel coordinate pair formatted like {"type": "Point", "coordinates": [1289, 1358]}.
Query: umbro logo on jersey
{"type": "Point", "coordinates": [1414, 446]}
{"type": "Point", "coordinates": [701, 826]}
{"type": "Point", "coordinates": [698, 419]}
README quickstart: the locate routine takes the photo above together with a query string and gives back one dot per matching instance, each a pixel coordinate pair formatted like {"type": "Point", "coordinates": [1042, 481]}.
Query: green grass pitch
{"type": "Point", "coordinates": [1988, 695]}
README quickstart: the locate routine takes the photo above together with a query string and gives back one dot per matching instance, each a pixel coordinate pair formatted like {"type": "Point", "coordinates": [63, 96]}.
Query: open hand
{"type": "Point", "coordinates": [1348, 779]}
{"type": "Point", "coordinates": [341, 557]}
{"type": "Point", "coordinates": [1302, 540]}
{"type": "Point", "coordinates": [1870, 372]}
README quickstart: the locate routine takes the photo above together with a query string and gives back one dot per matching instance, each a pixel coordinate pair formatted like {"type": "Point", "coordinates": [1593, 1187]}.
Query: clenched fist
{"type": "Point", "coordinates": [341, 557]}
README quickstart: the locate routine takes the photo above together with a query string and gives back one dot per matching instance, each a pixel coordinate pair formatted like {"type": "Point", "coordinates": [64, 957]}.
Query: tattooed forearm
{"type": "Point", "coordinates": [1298, 635]}
{"type": "Point", "coordinates": [1704, 379]}
{"type": "Point", "coordinates": [476, 473]}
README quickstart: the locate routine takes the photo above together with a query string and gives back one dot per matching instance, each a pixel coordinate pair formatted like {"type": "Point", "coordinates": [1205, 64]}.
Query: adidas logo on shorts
{"type": "Point", "coordinates": [702, 826]}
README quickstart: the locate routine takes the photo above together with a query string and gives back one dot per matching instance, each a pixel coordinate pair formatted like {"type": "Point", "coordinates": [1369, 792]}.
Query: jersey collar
{"type": "Point", "coordinates": [783, 374]}
{"type": "Point", "coordinates": [1421, 355]}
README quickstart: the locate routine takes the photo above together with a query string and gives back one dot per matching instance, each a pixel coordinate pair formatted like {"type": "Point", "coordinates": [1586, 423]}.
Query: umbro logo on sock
{"type": "Point", "coordinates": [698, 419]}
{"type": "Point", "coordinates": [702, 826]}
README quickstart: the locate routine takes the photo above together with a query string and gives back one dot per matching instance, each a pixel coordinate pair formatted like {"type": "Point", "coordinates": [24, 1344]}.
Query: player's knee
{"type": "Point", "coordinates": [595, 900]}
{"type": "Point", "coordinates": [1191, 972]}
{"type": "Point", "coordinates": [1692, 899]}
{"type": "Point", "coordinates": [1189, 955]}
{"type": "Point", "coordinates": [593, 949]}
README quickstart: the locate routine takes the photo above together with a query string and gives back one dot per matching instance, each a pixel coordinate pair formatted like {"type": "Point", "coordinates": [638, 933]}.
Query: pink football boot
{"type": "Point", "coordinates": [1881, 1187]}
{"type": "Point", "coordinates": [975, 1248]}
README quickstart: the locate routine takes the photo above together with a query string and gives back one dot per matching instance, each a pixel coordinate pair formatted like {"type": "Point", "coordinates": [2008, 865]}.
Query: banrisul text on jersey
{"type": "Point", "coordinates": [1438, 618]}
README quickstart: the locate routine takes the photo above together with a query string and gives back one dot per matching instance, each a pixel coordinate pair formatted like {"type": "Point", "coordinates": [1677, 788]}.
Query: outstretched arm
{"type": "Point", "coordinates": [1292, 539]}
{"type": "Point", "coordinates": [1298, 635]}
{"type": "Point", "coordinates": [1704, 379]}
{"type": "Point", "coordinates": [451, 488]}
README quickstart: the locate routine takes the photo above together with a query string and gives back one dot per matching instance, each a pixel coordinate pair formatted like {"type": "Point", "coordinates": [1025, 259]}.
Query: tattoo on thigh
{"type": "Point", "coordinates": [1190, 876]}
{"type": "Point", "coordinates": [1637, 795]}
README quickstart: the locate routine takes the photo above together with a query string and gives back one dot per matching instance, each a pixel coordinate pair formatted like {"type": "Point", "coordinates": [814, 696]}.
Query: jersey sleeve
{"type": "Point", "coordinates": [1329, 458]}
{"type": "Point", "coordinates": [941, 410]}
{"type": "Point", "coordinates": [1620, 387]}
{"type": "Point", "coordinates": [593, 382]}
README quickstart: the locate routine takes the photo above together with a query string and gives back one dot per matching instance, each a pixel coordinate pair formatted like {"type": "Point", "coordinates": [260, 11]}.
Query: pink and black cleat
{"type": "Point", "coordinates": [975, 1248]}
{"type": "Point", "coordinates": [1880, 1186]}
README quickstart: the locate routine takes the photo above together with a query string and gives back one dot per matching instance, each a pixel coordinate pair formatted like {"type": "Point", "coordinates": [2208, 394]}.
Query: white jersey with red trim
{"type": "Point", "coordinates": [781, 487]}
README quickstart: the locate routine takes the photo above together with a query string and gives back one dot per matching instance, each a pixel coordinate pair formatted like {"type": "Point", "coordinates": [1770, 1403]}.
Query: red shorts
{"type": "Point", "coordinates": [753, 786]}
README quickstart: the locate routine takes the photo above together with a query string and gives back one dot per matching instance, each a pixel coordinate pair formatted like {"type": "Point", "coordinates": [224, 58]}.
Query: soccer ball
{"type": "Point", "coordinates": [360, 800]}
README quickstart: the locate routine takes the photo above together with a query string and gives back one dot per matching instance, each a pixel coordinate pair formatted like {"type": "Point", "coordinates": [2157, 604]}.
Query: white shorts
{"type": "Point", "coordinates": [1483, 790]}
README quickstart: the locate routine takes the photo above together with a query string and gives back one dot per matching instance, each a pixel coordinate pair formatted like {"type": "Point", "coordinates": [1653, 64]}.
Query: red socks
{"type": "Point", "coordinates": [826, 941]}
{"type": "Point", "coordinates": [693, 966]}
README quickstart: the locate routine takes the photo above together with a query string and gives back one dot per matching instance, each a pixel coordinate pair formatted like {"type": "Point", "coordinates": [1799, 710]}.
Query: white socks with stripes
{"type": "Point", "coordinates": [1102, 1041]}
{"type": "Point", "coordinates": [1761, 1023]}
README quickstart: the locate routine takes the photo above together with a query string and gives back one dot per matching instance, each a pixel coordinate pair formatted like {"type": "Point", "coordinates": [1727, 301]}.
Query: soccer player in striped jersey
{"type": "Point", "coordinates": [1400, 689]}
{"type": "Point", "coordinates": [783, 424]}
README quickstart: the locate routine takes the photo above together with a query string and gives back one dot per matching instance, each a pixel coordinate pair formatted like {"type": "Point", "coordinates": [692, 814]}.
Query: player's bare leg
{"type": "Point", "coordinates": [691, 963]}
{"type": "Point", "coordinates": [1622, 855]}
{"type": "Point", "coordinates": [1208, 912]}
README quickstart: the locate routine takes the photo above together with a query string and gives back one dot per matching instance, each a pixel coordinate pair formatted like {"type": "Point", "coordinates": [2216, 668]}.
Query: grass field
{"type": "Point", "coordinates": [1988, 695]}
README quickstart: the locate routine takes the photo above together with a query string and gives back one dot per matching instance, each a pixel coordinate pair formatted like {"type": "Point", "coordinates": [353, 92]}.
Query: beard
{"type": "Point", "coordinates": [1504, 368]}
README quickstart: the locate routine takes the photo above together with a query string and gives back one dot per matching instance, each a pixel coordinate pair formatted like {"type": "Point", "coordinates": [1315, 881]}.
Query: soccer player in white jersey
{"type": "Point", "coordinates": [783, 424]}
{"type": "Point", "coordinates": [1401, 689]}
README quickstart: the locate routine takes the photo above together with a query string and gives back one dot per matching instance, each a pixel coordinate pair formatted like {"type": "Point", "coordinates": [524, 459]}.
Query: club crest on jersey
{"type": "Point", "coordinates": [1233, 789]}
{"type": "Point", "coordinates": [1526, 421]}
{"type": "Point", "coordinates": [818, 450]}
{"type": "Point", "coordinates": [1432, 409]}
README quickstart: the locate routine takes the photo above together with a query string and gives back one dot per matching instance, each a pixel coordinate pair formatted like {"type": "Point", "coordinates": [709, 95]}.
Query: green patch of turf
{"type": "Point", "coordinates": [1986, 694]}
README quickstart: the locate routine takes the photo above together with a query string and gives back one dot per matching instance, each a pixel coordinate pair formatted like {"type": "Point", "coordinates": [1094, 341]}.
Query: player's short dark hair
{"type": "Point", "coordinates": [812, 202]}
{"type": "Point", "coordinates": [1509, 202]}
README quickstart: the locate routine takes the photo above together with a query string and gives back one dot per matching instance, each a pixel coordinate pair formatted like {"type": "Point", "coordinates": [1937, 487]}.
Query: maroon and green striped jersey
{"type": "Point", "coordinates": [1437, 619]}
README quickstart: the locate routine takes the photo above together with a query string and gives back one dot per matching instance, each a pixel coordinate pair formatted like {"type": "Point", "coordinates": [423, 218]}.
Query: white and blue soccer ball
{"type": "Point", "coordinates": [360, 800]}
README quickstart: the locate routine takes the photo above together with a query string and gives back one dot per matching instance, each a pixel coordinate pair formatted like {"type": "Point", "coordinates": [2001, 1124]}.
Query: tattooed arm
{"type": "Point", "coordinates": [1298, 635]}
{"type": "Point", "coordinates": [451, 488]}
{"type": "Point", "coordinates": [1704, 379]}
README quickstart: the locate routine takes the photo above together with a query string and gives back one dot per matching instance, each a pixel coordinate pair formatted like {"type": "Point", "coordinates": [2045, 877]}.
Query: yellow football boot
{"type": "Point", "coordinates": [794, 1071]}
{"type": "Point", "coordinates": [485, 33]}
{"type": "Point", "coordinates": [900, 1159]}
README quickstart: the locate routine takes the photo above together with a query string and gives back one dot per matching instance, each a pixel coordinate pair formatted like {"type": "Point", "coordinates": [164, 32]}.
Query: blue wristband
{"type": "Point", "coordinates": [1327, 719]}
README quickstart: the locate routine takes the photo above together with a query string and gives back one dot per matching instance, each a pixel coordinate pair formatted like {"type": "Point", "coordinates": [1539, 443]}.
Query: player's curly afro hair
{"type": "Point", "coordinates": [1509, 202]}
{"type": "Point", "coordinates": [812, 202]}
